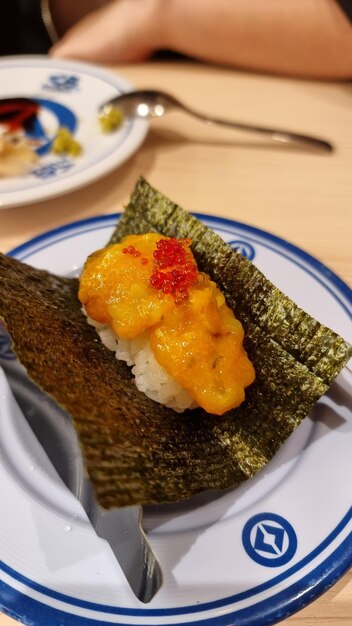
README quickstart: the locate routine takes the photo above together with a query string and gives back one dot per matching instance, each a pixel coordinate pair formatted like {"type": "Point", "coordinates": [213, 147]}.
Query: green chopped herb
{"type": "Point", "coordinates": [111, 119]}
{"type": "Point", "coordinates": [65, 144]}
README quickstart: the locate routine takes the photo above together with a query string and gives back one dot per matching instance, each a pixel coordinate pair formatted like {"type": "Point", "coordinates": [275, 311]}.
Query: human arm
{"type": "Point", "coordinates": [310, 38]}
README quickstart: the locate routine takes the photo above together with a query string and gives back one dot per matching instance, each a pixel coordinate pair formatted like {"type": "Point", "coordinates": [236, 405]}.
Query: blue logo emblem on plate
{"type": "Point", "coordinates": [244, 248]}
{"type": "Point", "coordinates": [62, 82]}
{"type": "Point", "coordinates": [269, 539]}
{"type": "Point", "coordinates": [52, 169]}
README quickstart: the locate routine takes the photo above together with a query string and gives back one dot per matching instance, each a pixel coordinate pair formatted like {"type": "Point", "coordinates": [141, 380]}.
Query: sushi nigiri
{"type": "Point", "coordinates": [152, 306]}
{"type": "Point", "coordinates": [136, 450]}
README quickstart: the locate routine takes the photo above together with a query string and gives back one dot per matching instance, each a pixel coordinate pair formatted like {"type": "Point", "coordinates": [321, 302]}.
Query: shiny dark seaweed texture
{"type": "Point", "coordinates": [136, 451]}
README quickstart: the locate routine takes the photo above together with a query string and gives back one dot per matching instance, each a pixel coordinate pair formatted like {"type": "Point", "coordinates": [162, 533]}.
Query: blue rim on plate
{"type": "Point", "coordinates": [268, 611]}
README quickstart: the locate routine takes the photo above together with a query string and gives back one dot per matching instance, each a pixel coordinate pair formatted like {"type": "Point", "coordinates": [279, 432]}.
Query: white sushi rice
{"type": "Point", "coordinates": [150, 377]}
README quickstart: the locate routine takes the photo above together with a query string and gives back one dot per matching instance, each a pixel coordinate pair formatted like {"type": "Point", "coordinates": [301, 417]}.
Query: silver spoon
{"type": "Point", "coordinates": [147, 103]}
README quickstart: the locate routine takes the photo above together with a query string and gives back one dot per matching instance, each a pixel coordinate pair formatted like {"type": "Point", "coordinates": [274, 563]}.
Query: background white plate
{"type": "Point", "coordinates": [70, 95]}
{"type": "Point", "coordinates": [249, 556]}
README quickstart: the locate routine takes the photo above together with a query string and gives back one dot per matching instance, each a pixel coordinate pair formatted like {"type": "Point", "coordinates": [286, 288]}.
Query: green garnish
{"type": "Point", "coordinates": [110, 119]}
{"type": "Point", "coordinates": [65, 144]}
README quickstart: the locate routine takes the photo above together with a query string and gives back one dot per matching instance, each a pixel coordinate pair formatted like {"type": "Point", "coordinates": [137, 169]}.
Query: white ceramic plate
{"type": "Point", "coordinates": [249, 556]}
{"type": "Point", "coordinates": [69, 94]}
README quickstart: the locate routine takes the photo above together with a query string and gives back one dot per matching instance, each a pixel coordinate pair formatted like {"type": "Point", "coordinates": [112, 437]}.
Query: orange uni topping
{"type": "Point", "coordinates": [151, 284]}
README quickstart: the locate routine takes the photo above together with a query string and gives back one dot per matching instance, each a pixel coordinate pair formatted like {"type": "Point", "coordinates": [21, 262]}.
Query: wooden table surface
{"type": "Point", "coordinates": [301, 196]}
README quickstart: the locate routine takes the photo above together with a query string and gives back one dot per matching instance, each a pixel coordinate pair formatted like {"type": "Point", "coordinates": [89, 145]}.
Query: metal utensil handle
{"type": "Point", "coordinates": [279, 135]}
{"type": "Point", "coordinates": [122, 529]}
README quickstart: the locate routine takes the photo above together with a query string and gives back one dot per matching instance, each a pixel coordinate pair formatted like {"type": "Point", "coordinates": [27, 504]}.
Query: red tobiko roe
{"type": "Point", "coordinates": [174, 256]}
{"type": "Point", "coordinates": [174, 253]}
{"type": "Point", "coordinates": [135, 253]}
{"type": "Point", "coordinates": [132, 251]}
{"type": "Point", "coordinates": [170, 252]}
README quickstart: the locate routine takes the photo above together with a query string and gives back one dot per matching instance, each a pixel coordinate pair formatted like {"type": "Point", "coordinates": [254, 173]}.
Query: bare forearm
{"type": "Point", "coordinates": [294, 37]}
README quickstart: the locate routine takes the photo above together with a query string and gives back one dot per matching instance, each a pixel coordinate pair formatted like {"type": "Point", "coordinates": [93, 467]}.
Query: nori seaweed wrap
{"type": "Point", "coordinates": [135, 450]}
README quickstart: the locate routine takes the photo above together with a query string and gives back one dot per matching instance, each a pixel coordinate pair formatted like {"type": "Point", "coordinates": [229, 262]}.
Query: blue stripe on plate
{"type": "Point", "coordinates": [55, 233]}
{"type": "Point", "coordinates": [191, 608]}
{"type": "Point", "coordinates": [264, 613]}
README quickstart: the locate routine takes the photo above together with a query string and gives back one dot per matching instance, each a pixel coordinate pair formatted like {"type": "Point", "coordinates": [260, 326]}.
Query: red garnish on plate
{"type": "Point", "coordinates": [17, 113]}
